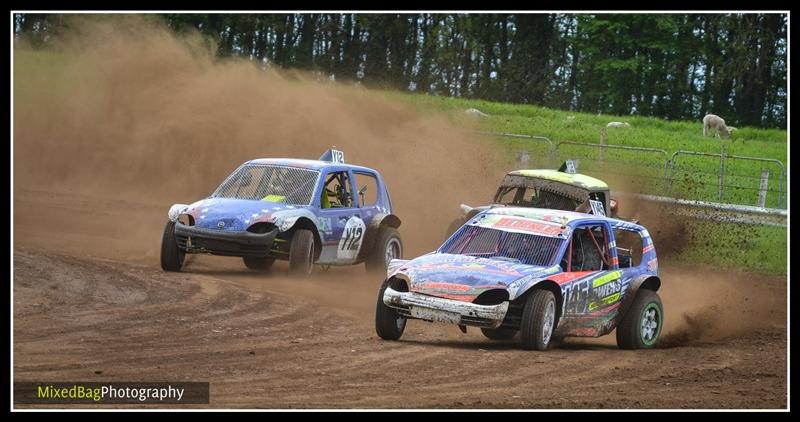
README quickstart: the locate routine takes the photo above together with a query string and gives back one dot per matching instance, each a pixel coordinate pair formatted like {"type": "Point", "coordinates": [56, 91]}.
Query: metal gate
{"type": "Point", "coordinates": [630, 168]}
{"type": "Point", "coordinates": [738, 180]}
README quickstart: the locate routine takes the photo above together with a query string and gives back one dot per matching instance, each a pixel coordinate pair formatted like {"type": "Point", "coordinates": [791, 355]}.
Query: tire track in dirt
{"type": "Point", "coordinates": [260, 348]}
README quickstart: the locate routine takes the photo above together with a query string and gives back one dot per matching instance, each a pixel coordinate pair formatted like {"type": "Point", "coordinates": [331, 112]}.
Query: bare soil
{"type": "Point", "coordinates": [83, 312]}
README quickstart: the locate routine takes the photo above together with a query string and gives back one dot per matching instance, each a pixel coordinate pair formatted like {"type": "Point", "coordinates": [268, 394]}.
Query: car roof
{"type": "Point", "coordinates": [307, 164]}
{"type": "Point", "coordinates": [554, 216]}
{"type": "Point", "coordinates": [582, 180]}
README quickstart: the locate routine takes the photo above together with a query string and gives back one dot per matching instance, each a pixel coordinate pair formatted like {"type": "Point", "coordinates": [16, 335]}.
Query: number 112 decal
{"type": "Point", "coordinates": [350, 243]}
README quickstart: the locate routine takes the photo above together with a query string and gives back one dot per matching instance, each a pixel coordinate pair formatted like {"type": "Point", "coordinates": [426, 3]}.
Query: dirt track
{"type": "Point", "coordinates": [122, 119]}
{"type": "Point", "coordinates": [83, 312]}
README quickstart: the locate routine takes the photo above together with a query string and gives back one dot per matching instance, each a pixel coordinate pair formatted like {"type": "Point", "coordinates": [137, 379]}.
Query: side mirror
{"type": "Point", "coordinates": [361, 196]}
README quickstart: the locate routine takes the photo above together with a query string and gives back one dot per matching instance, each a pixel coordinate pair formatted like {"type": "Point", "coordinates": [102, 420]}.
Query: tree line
{"type": "Point", "coordinates": [673, 66]}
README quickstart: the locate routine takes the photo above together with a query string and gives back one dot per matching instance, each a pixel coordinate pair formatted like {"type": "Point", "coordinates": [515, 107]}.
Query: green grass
{"type": "Point", "coordinates": [695, 177]}
{"type": "Point", "coordinates": [644, 131]}
{"type": "Point", "coordinates": [730, 245]}
{"type": "Point", "coordinates": [722, 245]}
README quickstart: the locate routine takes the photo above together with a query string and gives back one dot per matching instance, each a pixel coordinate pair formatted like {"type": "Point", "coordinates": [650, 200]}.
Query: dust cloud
{"type": "Point", "coordinates": [124, 109]}
{"type": "Point", "coordinates": [705, 304]}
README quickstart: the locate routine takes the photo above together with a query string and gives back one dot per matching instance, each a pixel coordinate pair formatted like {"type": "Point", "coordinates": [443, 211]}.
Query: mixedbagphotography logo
{"type": "Point", "coordinates": [111, 392]}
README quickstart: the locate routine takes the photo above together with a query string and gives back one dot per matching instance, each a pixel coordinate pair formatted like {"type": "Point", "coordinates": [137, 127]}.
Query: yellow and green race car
{"type": "Point", "coordinates": [562, 189]}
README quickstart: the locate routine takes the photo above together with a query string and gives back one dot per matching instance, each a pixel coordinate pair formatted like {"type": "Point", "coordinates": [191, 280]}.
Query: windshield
{"type": "Point", "coordinates": [484, 242]}
{"type": "Point", "coordinates": [536, 198]}
{"type": "Point", "coordinates": [270, 183]}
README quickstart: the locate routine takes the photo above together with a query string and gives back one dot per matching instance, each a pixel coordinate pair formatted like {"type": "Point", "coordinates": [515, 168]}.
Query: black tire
{"type": "Point", "coordinates": [540, 308]}
{"type": "Point", "coordinates": [631, 333]}
{"type": "Point", "coordinates": [301, 253]}
{"type": "Point", "coordinates": [502, 333]}
{"type": "Point", "coordinates": [454, 225]}
{"type": "Point", "coordinates": [258, 264]}
{"type": "Point", "coordinates": [387, 246]}
{"type": "Point", "coordinates": [171, 255]}
{"type": "Point", "coordinates": [388, 323]}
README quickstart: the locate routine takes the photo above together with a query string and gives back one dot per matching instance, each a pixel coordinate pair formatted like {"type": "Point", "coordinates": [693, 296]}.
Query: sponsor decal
{"type": "Point", "coordinates": [599, 281]}
{"type": "Point", "coordinates": [584, 293]}
{"type": "Point", "coordinates": [527, 225]}
{"type": "Point", "coordinates": [324, 224]}
{"type": "Point", "coordinates": [567, 277]}
{"type": "Point", "coordinates": [608, 300]}
{"type": "Point", "coordinates": [274, 198]}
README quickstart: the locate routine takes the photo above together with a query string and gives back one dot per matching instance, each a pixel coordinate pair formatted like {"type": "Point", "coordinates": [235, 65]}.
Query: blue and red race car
{"type": "Point", "coordinates": [308, 212]}
{"type": "Point", "coordinates": [543, 273]}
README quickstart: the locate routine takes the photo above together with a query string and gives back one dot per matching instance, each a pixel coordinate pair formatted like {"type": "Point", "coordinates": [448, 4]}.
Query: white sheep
{"type": "Point", "coordinates": [712, 121]}
{"type": "Point", "coordinates": [618, 124]}
{"type": "Point", "coordinates": [475, 112]}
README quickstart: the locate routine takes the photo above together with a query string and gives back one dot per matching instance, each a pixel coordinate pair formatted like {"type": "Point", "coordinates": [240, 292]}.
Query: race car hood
{"type": "Point", "coordinates": [234, 214]}
{"type": "Point", "coordinates": [462, 277]}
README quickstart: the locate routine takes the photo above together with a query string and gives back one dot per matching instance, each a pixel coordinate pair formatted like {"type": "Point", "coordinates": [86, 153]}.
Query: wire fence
{"type": "Point", "coordinates": [691, 175]}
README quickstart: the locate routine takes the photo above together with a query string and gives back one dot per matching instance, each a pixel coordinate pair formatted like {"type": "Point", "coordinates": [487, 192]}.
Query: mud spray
{"type": "Point", "coordinates": [120, 118]}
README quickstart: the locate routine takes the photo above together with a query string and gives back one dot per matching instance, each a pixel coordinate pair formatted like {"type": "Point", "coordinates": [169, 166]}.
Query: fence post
{"type": "Point", "coordinates": [722, 174]}
{"type": "Point", "coordinates": [602, 143]}
{"type": "Point", "coordinates": [762, 189]}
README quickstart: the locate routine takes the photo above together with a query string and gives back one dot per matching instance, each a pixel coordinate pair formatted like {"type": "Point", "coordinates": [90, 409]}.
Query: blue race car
{"type": "Point", "coordinates": [304, 211]}
{"type": "Point", "coordinates": [543, 273]}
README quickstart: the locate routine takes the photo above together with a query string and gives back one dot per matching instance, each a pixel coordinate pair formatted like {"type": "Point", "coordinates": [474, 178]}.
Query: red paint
{"type": "Point", "coordinates": [528, 225]}
{"type": "Point", "coordinates": [567, 277]}
{"type": "Point", "coordinates": [443, 286]}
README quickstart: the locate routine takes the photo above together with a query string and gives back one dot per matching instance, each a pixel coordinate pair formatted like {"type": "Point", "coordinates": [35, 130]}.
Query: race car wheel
{"type": "Point", "coordinates": [301, 253]}
{"type": "Point", "coordinates": [388, 323]}
{"type": "Point", "coordinates": [538, 320]}
{"type": "Point", "coordinates": [499, 333]}
{"type": "Point", "coordinates": [258, 264]}
{"type": "Point", "coordinates": [171, 255]}
{"type": "Point", "coordinates": [641, 325]}
{"type": "Point", "coordinates": [388, 246]}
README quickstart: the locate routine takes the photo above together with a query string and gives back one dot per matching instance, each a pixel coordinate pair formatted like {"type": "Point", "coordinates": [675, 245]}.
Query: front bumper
{"type": "Point", "coordinates": [431, 308]}
{"type": "Point", "coordinates": [216, 242]}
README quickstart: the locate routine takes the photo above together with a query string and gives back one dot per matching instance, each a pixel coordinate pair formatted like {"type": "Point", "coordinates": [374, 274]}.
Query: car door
{"type": "Point", "coordinates": [633, 255]}
{"type": "Point", "coordinates": [592, 280]}
{"type": "Point", "coordinates": [369, 194]}
{"type": "Point", "coordinates": [340, 219]}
